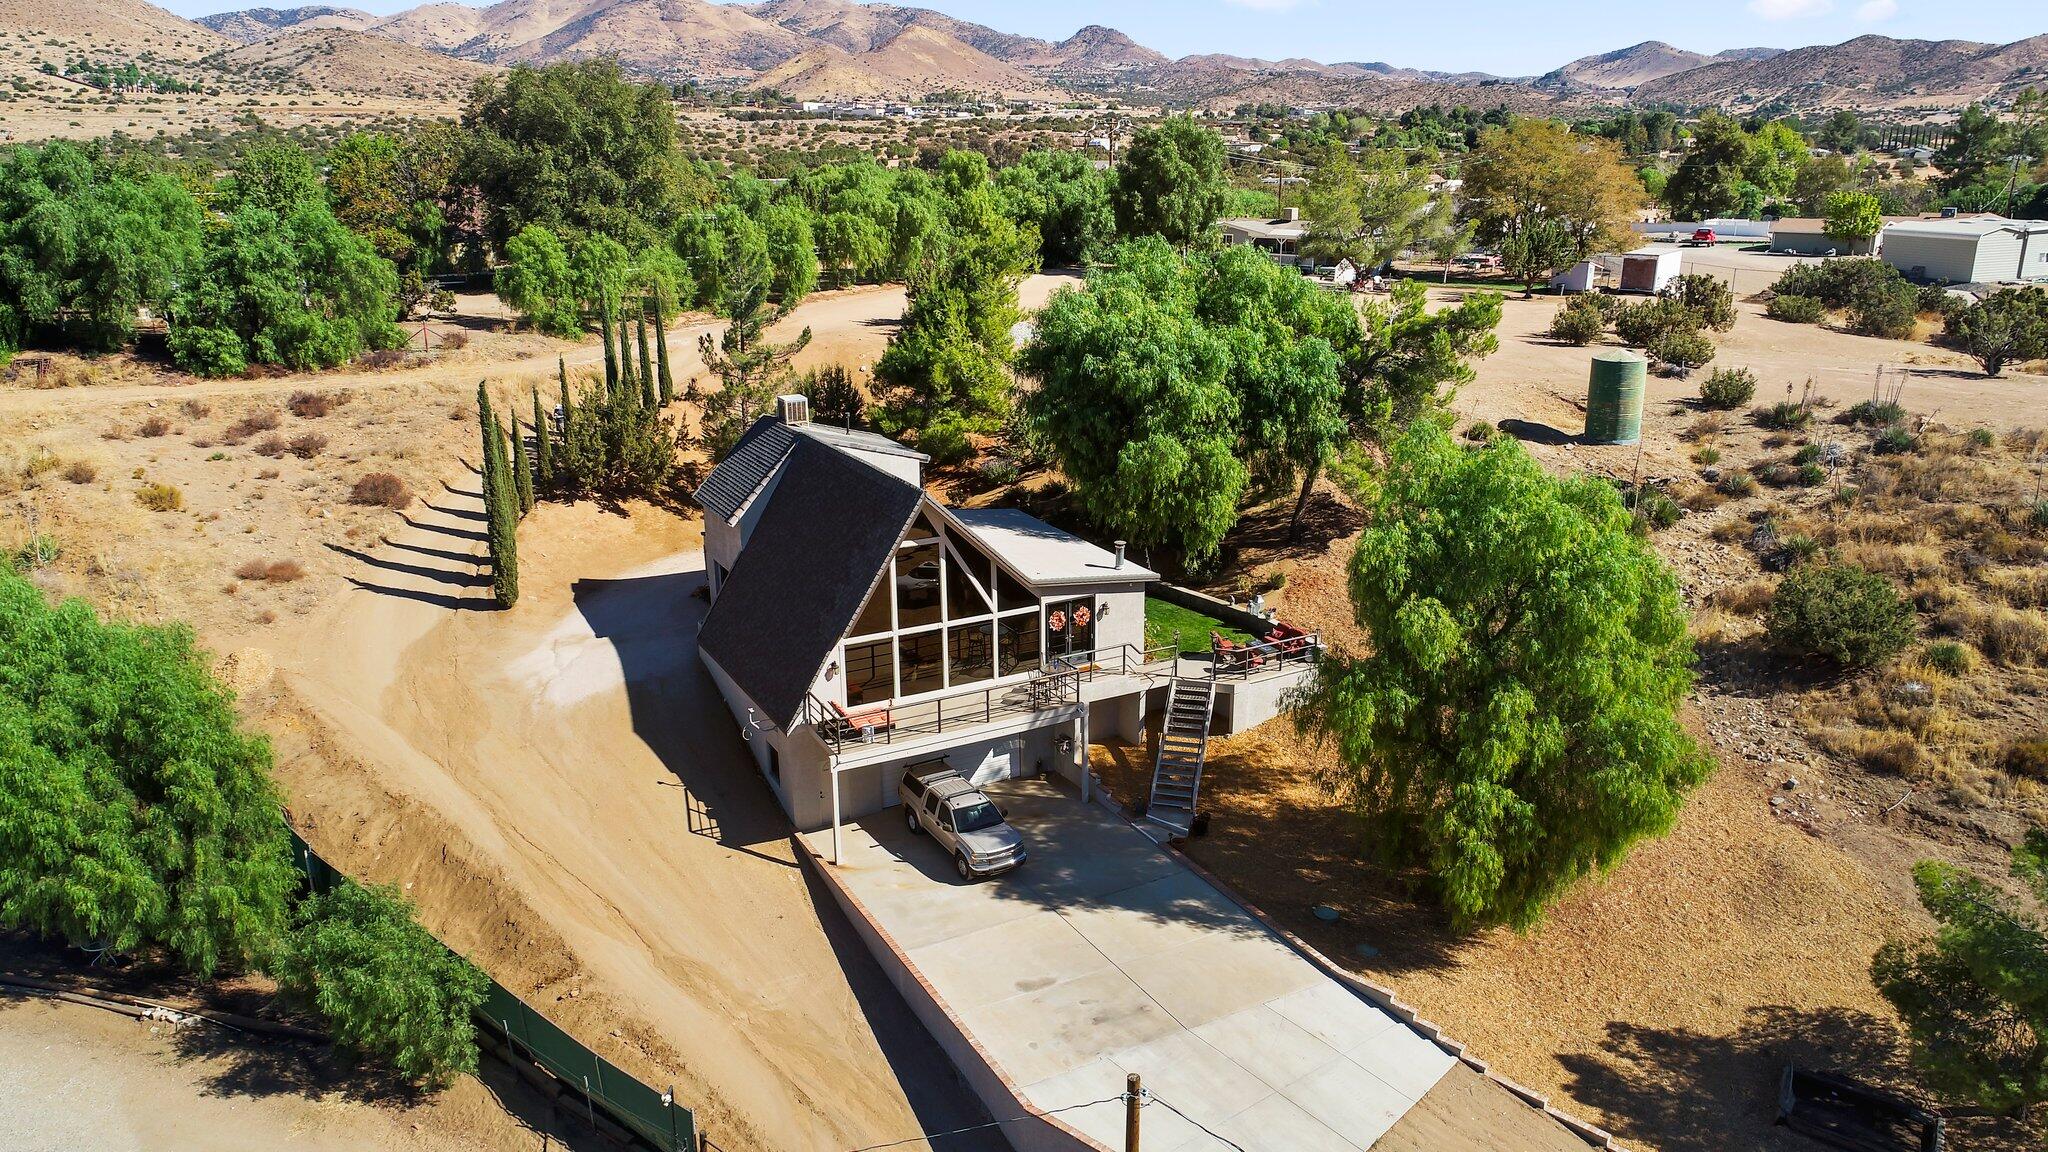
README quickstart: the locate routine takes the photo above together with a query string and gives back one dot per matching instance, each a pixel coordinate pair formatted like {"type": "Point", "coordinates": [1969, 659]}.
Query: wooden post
{"type": "Point", "coordinates": [1131, 1092]}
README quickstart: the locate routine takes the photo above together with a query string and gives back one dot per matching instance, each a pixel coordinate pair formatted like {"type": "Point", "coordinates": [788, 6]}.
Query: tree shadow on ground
{"type": "Point", "coordinates": [1269, 531]}
{"type": "Point", "coordinates": [1535, 432]}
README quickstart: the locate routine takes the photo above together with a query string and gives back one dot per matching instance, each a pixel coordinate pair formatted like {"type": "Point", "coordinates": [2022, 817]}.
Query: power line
{"type": "Point", "coordinates": [1012, 1120]}
{"type": "Point", "coordinates": [1195, 1122]}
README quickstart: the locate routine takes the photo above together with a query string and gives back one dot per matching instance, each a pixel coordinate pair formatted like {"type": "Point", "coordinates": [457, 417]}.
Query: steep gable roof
{"type": "Point", "coordinates": [760, 451]}
{"type": "Point", "coordinates": [821, 544]}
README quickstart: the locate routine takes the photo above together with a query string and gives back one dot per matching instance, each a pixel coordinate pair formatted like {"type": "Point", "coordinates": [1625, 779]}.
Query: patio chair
{"type": "Point", "coordinates": [876, 718]}
{"type": "Point", "coordinates": [1229, 656]}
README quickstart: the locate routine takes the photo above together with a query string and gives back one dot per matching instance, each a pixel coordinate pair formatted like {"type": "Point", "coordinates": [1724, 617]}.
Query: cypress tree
{"type": "Point", "coordinates": [611, 363]}
{"type": "Point", "coordinates": [648, 399]}
{"type": "Point", "coordinates": [500, 517]}
{"type": "Point", "coordinates": [626, 376]}
{"type": "Point", "coordinates": [668, 384]}
{"type": "Point", "coordinates": [543, 442]}
{"type": "Point", "coordinates": [522, 468]}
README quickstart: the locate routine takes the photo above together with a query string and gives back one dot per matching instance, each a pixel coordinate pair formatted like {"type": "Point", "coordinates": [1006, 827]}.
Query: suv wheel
{"type": "Point", "coordinates": [910, 820]}
{"type": "Point", "coordinates": [961, 866]}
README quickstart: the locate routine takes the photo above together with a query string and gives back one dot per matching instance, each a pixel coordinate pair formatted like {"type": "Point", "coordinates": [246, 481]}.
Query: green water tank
{"type": "Point", "coordinates": [1614, 401]}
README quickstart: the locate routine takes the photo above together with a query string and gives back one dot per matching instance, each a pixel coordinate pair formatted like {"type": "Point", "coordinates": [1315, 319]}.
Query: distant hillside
{"type": "Point", "coordinates": [124, 28]}
{"type": "Point", "coordinates": [442, 27]}
{"type": "Point", "coordinates": [1624, 67]}
{"type": "Point", "coordinates": [916, 62]}
{"type": "Point", "coordinates": [1869, 72]}
{"type": "Point", "coordinates": [338, 60]}
{"type": "Point", "coordinates": [253, 24]}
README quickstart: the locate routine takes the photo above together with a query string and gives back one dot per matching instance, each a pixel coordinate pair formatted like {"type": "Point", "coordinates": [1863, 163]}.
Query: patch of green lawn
{"type": "Point", "coordinates": [1162, 620]}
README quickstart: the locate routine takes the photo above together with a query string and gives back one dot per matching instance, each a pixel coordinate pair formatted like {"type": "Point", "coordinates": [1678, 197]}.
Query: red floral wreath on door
{"type": "Point", "coordinates": [1057, 621]}
{"type": "Point", "coordinates": [1081, 617]}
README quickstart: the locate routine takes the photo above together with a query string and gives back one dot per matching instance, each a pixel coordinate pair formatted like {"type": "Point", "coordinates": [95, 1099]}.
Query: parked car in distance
{"type": "Point", "coordinates": [1478, 260]}
{"type": "Point", "coordinates": [1703, 237]}
{"type": "Point", "coordinates": [961, 818]}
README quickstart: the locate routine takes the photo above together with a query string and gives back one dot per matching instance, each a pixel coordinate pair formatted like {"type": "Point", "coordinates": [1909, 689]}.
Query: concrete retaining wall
{"type": "Point", "coordinates": [1032, 1133]}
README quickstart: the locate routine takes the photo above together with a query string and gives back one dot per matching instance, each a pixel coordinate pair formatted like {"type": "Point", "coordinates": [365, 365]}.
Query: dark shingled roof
{"type": "Point", "coordinates": [759, 452]}
{"type": "Point", "coordinates": [809, 565]}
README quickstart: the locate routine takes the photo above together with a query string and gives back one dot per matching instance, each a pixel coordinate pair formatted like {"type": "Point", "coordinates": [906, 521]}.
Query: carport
{"type": "Point", "coordinates": [1106, 955]}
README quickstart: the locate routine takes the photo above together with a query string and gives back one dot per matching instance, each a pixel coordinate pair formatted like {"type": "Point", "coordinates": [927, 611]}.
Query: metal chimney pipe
{"type": "Point", "coordinates": [1119, 553]}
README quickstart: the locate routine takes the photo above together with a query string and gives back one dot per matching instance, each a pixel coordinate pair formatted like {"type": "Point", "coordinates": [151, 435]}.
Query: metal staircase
{"type": "Point", "coordinates": [1183, 746]}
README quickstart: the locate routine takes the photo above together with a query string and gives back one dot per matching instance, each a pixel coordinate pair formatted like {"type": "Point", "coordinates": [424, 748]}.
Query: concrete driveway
{"type": "Point", "coordinates": [1105, 955]}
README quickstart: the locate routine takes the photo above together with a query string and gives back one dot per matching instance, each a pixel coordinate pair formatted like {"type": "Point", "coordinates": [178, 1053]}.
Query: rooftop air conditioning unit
{"type": "Point", "coordinates": [793, 409]}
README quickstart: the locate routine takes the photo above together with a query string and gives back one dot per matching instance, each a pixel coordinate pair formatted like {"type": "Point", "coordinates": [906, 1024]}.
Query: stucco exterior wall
{"type": "Point", "coordinates": [1941, 259]}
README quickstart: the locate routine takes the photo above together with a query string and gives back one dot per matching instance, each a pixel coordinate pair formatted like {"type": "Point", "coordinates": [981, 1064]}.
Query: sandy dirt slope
{"type": "Point", "coordinates": [572, 753]}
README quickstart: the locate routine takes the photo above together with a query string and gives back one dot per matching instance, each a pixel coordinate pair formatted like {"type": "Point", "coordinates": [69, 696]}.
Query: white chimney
{"type": "Point", "coordinates": [1119, 553]}
{"type": "Point", "coordinates": [793, 409]}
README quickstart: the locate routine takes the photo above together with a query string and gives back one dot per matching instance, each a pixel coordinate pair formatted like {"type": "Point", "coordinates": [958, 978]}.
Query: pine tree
{"type": "Point", "coordinates": [611, 362]}
{"type": "Point", "coordinates": [544, 441]}
{"type": "Point", "coordinates": [749, 367]}
{"type": "Point", "coordinates": [668, 384]}
{"type": "Point", "coordinates": [648, 395]}
{"type": "Point", "coordinates": [522, 469]}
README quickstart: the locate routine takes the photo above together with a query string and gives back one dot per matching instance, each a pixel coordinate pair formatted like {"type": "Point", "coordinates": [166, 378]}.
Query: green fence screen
{"type": "Point", "coordinates": [653, 1116]}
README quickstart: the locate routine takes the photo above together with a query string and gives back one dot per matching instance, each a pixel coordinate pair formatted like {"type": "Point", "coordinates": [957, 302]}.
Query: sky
{"type": "Point", "coordinates": [1505, 37]}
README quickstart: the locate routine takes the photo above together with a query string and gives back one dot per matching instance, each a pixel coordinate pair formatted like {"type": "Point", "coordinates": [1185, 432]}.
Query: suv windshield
{"type": "Point", "coordinates": [975, 816]}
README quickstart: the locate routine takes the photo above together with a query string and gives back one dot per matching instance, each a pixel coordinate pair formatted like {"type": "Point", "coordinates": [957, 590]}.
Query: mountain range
{"type": "Point", "coordinates": [820, 49]}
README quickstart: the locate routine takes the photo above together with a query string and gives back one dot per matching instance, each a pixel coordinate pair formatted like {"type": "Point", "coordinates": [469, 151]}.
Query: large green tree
{"type": "Point", "coordinates": [1975, 996]}
{"type": "Point", "coordinates": [1513, 727]}
{"type": "Point", "coordinates": [134, 811]}
{"type": "Point", "coordinates": [1134, 401]}
{"type": "Point", "coordinates": [1063, 195]}
{"type": "Point", "coordinates": [1170, 183]}
{"type": "Point", "coordinates": [1370, 210]}
{"type": "Point", "coordinates": [1713, 178]}
{"type": "Point", "coordinates": [579, 148]}
{"type": "Point", "coordinates": [1536, 188]}
{"type": "Point", "coordinates": [300, 291]}
{"type": "Point", "coordinates": [84, 244]}
{"type": "Point", "coordinates": [537, 282]}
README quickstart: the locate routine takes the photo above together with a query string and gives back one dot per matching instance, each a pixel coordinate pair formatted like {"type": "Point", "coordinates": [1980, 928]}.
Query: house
{"type": "Point", "coordinates": [1808, 236]}
{"type": "Point", "coordinates": [1982, 249]}
{"type": "Point", "coordinates": [859, 625]}
{"type": "Point", "coordinates": [1281, 237]}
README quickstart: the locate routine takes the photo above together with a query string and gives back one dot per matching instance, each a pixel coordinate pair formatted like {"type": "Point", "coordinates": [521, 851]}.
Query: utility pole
{"type": "Point", "coordinates": [1131, 1094]}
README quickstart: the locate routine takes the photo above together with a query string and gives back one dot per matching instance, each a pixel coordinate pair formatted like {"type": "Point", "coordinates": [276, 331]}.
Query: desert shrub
{"type": "Point", "coordinates": [1682, 349]}
{"type": "Point", "coordinates": [1577, 324]}
{"type": "Point", "coordinates": [309, 405]}
{"type": "Point", "coordinates": [1705, 297]}
{"type": "Point", "coordinates": [308, 445]}
{"type": "Point", "coordinates": [1737, 484]}
{"type": "Point", "coordinates": [1841, 613]}
{"type": "Point", "coordinates": [1480, 432]}
{"type": "Point", "coordinates": [1784, 416]}
{"type": "Point", "coordinates": [1812, 474]}
{"type": "Point", "coordinates": [1653, 509]}
{"type": "Point", "coordinates": [261, 420]}
{"type": "Point", "coordinates": [80, 472]}
{"type": "Point", "coordinates": [1938, 301]}
{"type": "Point", "coordinates": [381, 490]}
{"type": "Point", "coordinates": [152, 427]}
{"type": "Point", "coordinates": [272, 446]}
{"type": "Point", "coordinates": [1747, 598]}
{"type": "Point", "coordinates": [271, 571]}
{"type": "Point", "coordinates": [1981, 438]}
{"type": "Point", "coordinates": [1891, 315]}
{"type": "Point", "coordinates": [1707, 454]}
{"type": "Point", "coordinates": [385, 986]}
{"type": "Point", "coordinates": [1896, 440]}
{"type": "Point", "coordinates": [1641, 324]}
{"type": "Point", "coordinates": [1796, 309]}
{"type": "Point", "coordinates": [1874, 413]}
{"type": "Point", "coordinates": [1728, 388]}
{"type": "Point", "coordinates": [160, 498]}
{"type": "Point", "coordinates": [194, 409]}
{"type": "Point", "coordinates": [384, 358]}
{"type": "Point", "coordinates": [2027, 758]}
{"type": "Point", "coordinates": [1845, 284]}
{"type": "Point", "coordinates": [2012, 637]}
{"type": "Point", "coordinates": [2008, 326]}
{"type": "Point", "coordinates": [1950, 658]}
{"type": "Point", "coordinates": [454, 341]}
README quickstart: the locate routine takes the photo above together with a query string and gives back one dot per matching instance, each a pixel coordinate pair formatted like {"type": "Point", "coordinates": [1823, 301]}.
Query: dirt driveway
{"type": "Point", "coordinates": [567, 796]}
